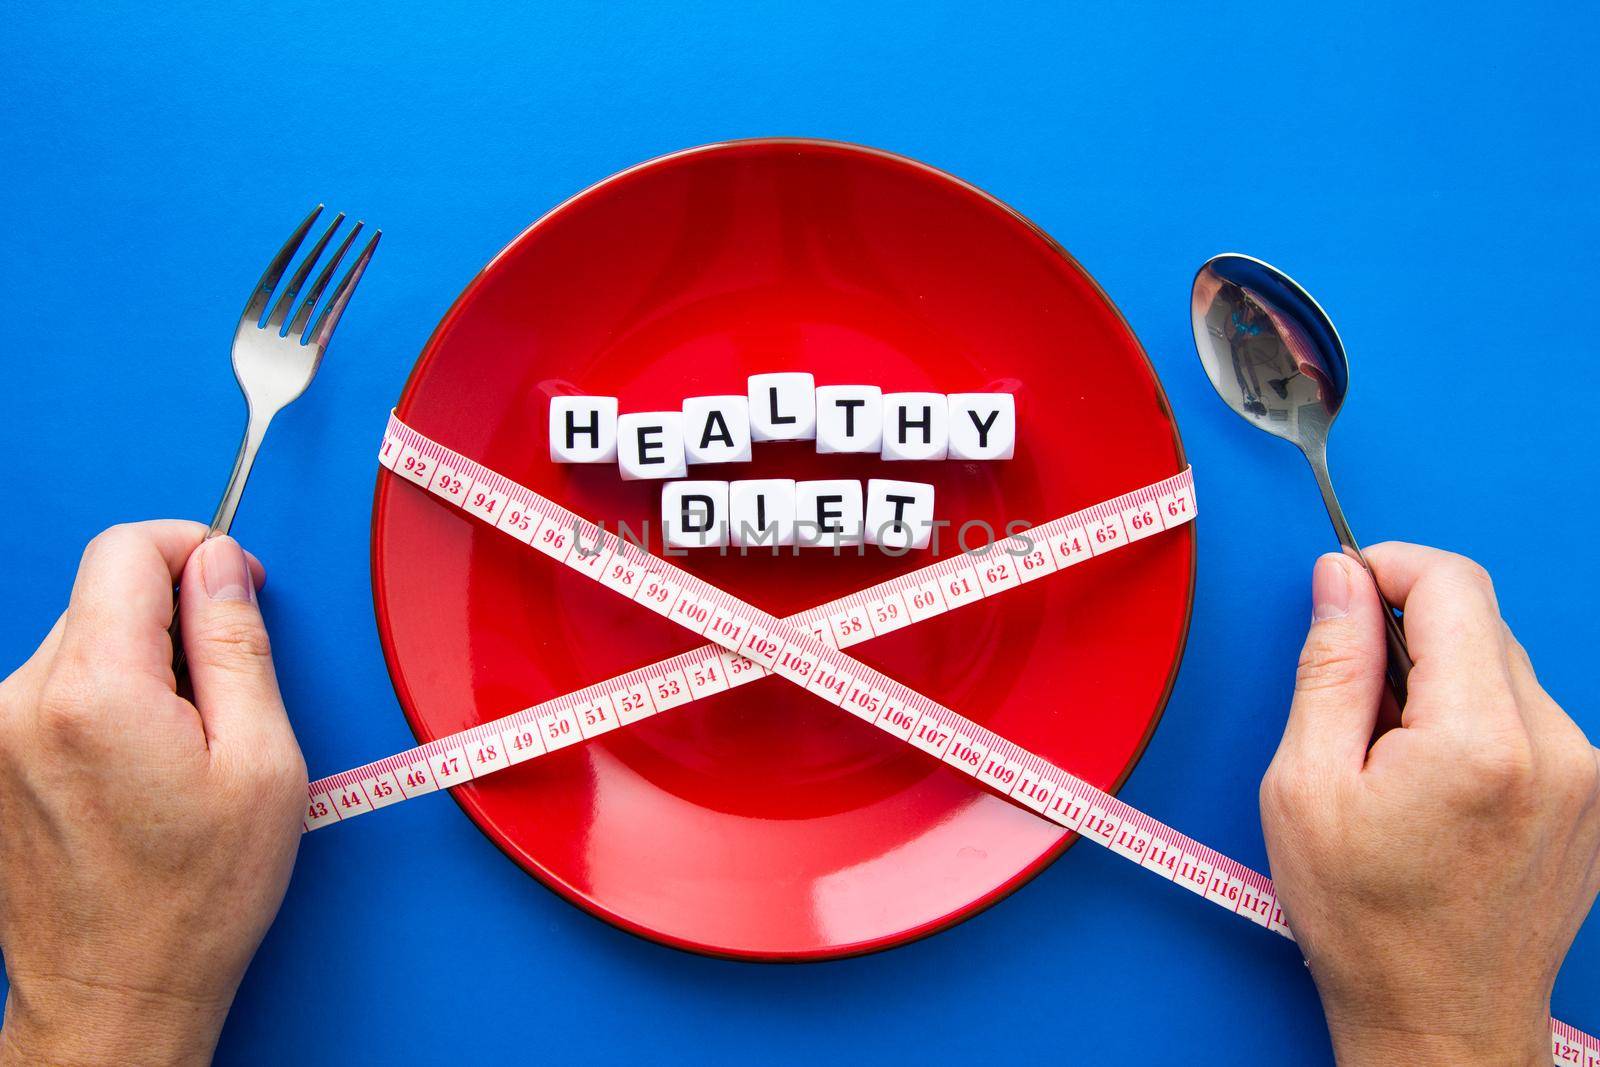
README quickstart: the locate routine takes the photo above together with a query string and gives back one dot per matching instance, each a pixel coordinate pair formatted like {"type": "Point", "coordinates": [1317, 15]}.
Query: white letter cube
{"type": "Point", "coordinates": [716, 429]}
{"type": "Point", "coordinates": [915, 426]}
{"type": "Point", "coordinates": [783, 407]}
{"type": "Point", "coordinates": [650, 445]}
{"type": "Point", "coordinates": [761, 512]}
{"type": "Point", "coordinates": [849, 418]}
{"type": "Point", "coordinates": [694, 514]}
{"type": "Point", "coordinates": [983, 425]}
{"type": "Point", "coordinates": [899, 514]}
{"type": "Point", "coordinates": [828, 513]}
{"type": "Point", "coordinates": [583, 429]}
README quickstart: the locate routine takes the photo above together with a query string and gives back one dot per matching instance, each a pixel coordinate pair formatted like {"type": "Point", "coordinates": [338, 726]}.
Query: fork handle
{"type": "Point", "coordinates": [255, 431]}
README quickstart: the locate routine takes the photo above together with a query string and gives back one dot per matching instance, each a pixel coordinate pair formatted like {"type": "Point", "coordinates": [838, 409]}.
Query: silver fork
{"type": "Point", "coordinates": [276, 356]}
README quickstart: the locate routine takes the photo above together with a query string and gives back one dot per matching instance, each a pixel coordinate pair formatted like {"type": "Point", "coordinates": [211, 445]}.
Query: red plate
{"type": "Point", "coordinates": [763, 823]}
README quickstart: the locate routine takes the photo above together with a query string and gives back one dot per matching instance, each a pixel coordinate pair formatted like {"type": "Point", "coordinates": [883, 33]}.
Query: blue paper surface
{"type": "Point", "coordinates": [1432, 180]}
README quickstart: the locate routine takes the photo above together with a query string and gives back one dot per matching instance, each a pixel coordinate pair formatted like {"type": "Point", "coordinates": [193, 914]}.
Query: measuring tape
{"type": "Point", "coordinates": [807, 650]}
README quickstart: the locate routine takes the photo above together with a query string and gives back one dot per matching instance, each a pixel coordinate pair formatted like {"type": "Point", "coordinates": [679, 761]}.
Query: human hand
{"type": "Point", "coordinates": [1435, 881]}
{"type": "Point", "coordinates": [145, 839]}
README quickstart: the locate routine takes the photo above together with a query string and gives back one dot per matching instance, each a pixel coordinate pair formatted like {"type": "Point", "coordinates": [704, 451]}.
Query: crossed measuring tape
{"type": "Point", "coordinates": [806, 649]}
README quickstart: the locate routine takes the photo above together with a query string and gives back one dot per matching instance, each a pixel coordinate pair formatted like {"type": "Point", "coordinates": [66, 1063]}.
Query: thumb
{"type": "Point", "coordinates": [1339, 684]}
{"type": "Point", "coordinates": [229, 656]}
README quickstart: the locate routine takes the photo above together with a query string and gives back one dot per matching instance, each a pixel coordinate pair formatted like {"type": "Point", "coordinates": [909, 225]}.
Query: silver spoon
{"type": "Point", "coordinates": [1274, 357]}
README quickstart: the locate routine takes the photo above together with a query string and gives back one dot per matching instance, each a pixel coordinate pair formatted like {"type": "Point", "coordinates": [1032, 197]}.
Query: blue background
{"type": "Point", "coordinates": [1433, 182]}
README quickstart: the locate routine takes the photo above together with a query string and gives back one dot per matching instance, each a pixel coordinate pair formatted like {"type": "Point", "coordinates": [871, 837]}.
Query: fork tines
{"type": "Point", "coordinates": [279, 318]}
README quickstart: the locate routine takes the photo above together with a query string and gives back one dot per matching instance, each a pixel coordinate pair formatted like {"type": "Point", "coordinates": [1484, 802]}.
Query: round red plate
{"type": "Point", "coordinates": [762, 822]}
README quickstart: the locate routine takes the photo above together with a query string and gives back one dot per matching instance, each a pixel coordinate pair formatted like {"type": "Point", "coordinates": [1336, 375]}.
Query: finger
{"type": "Point", "coordinates": [229, 656]}
{"type": "Point", "coordinates": [1448, 599]}
{"type": "Point", "coordinates": [121, 602]}
{"type": "Point", "coordinates": [1340, 679]}
{"type": "Point", "coordinates": [1453, 629]}
{"type": "Point", "coordinates": [1558, 739]}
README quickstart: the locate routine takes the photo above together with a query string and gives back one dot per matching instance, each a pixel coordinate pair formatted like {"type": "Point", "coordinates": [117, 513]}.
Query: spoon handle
{"type": "Point", "coordinates": [1399, 666]}
{"type": "Point", "coordinates": [1395, 638]}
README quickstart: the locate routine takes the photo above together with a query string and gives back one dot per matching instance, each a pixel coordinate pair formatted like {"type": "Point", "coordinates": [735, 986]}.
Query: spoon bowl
{"type": "Point", "coordinates": [1270, 350]}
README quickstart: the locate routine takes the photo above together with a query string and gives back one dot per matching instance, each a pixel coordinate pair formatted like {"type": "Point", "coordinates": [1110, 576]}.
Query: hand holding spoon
{"type": "Point", "coordinates": [1274, 357]}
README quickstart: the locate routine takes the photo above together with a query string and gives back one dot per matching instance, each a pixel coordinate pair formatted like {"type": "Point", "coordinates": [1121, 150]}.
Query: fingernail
{"type": "Point", "coordinates": [1330, 588]}
{"type": "Point", "coordinates": [226, 573]}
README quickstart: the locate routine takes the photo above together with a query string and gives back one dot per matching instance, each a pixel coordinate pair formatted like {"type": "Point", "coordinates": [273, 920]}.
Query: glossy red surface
{"type": "Point", "coordinates": [762, 822]}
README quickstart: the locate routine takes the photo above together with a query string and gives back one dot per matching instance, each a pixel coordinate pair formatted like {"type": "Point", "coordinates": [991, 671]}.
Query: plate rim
{"type": "Point", "coordinates": [483, 823]}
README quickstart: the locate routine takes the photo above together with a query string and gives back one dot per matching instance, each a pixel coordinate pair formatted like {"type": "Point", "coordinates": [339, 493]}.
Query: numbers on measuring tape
{"type": "Point", "coordinates": [925, 601]}
{"type": "Point", "coordinates": [831, 684]}
{"type": "Point", "coordinates": [522, 742]}
{"type": "Point", "coordinates": [633, 703]}
{"type": "Point", "coordinates": [597, 716]}
{"type": "Point", "coordinates": [966, 753]}
{"type": "Point", "coordinates": [670, 690]}
{"type": "Point", "coordinates": [1255, 905]}
{"type": "Point", "coordinates": [414, 467]}
{"type": "Point", "coordinates": [794, 665]}
{"type": "Point", "coordinates": [1071, 547]}
{"type": "Point", "coordinates": [931, 735]}
{"type": "Point", "coordinates": [382, 790]}
{"type": "Point", "coordinates": [761, 647]}
{"type": "Point", "coordinates": [1224, 889]}
{"type": "Point", "coordinates": [725, 628]}
{"type": "Point", "coordinates": [518, 521]}
{"type": "Point", "coordinates": [559, 728]}
{"type": "Point", "coordinates": [863, 702]}
{"type": "Point", "coordinates": [1130, 841]}
{"type": "Point", "coordinates": [1141, 520]}
{"type": "Point", "coordinates": [1000, 772]}
{"type": "Point", "coordinates": [448, 483]}
{"type": "Point", "coordinates": [389, 451]}
{"type": "Point", "coordinates": [658, 593]}
{"type": "Point", "coordinates": [848, 627]}
{"type": "Point", "coordinates": [896, 719]}
{"type": "Point", "coordinates": [622, 575]}
{"type": "Point", "coordinates": [693, 614]}
{"type": "Point", "coordinates": [1106, 535]}
{"type": "Point", "coordinates": [1194, 874]}
{"type": "Point", "coordinates": [887, 614]}
{"type": "Point", "coordinates": [416, 779]}
{"type": "Point", "coordinates": [1161, 858]}
{"type": "Point", "coordinates": [484, 504]}
{"type": "Point", "coordinates": [1034, 563]}
{"type": "Point", "coordinates": [1066, 809]}
{"type": "Point", "coordinates": [589, 556]}
{"type": "Point", "coordinates": [351, 800]}
{"type": "Point", "coordinates": [554, 540]}
{"type": "Point", "coordinates": [962, 587]}
{"type": "Point", "coordinates": [487, 755]}
{"type": "Point", "coordinates": [740, 670]}
{"type": "Point", "coordinates": [1034, 792]}
{"type": "Point", "coordinates": [1177, 506]}
{"type": "Point", "coordinates": [997, 574]}
{"type": "Point", "coordinates": [320, 811]}
{"type": "Point", "coordinates": [452, 768]}
{"type": "Point", "coordinates": [1097, 824]}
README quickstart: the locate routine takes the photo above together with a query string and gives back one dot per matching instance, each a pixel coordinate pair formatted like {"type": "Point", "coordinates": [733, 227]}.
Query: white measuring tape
{"type": "Point", "coordinates": [805, 649]}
